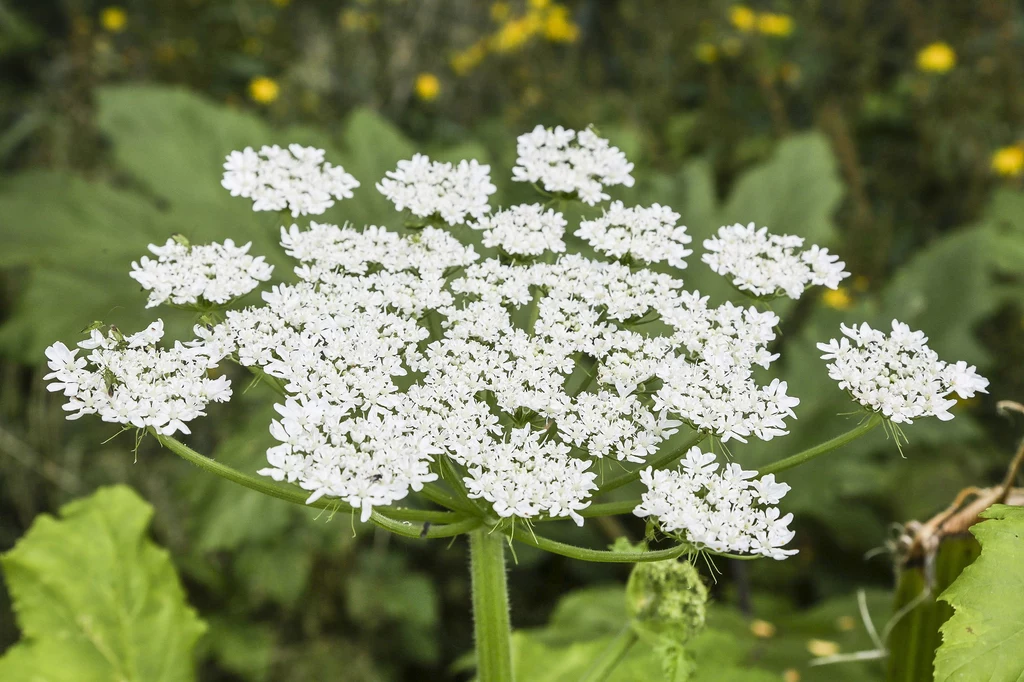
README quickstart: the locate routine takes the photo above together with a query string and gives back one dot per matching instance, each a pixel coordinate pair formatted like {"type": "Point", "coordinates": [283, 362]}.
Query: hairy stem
{"type": "Point", "coordinates": [596, 555]}
{"type": "Point", "coordinates": [612, 656]}
{"type": "Point", "coordinates": [822, 448]}
{"type": "Point", "coordinates": [492, 627]}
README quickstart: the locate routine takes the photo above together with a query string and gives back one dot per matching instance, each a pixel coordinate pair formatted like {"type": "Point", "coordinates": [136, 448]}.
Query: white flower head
{"type": "Point", "coordinates": [130, 381]}
{"type": "Point", "coordinates": [397, 353]}
{"type": "Point", "coordinates": [187, 275]}
{"type": "Point", "coordinates": [728, 510]}
{"type": "Point", "coordinates": [898, 375]}
{"type": "Point", "coordinates": [564, 161]}
{"type": "Point", "coordinates": [523, 230]}
{"type": "Point", "coordinates": [648, 235]}
{"type": "Point", "coordinates": [296, 179]}
{"type": "Point", "coordinates": [455, 192]}
{"type": "Point", "coordinates": [770, 265]}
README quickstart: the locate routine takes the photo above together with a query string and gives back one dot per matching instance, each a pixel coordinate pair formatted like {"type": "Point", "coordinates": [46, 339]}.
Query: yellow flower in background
{"type": "Point", "coordinates": [936, 58]}
{"type": "Point", "coordinates": [822, 647]}
{"type": "Point", "coordinates": [1009, 161]}
{"type": "Point", "coordinates": [706, 53]}
{"type": "Point", "coordinates": [838, 299]}
{"type": "Point", "coordinates": [499, 11]}
{"type": "Point", "coordinates": [113, 19]}
{"type": "Point", "coordinates": [762, 628]}
{"type": "Point", "coordinates": [742, 17]}
{"type": "Point", "coordinates": [263, 90]}
{"type": "Point", "coordinates": [791, 675]}
{"type": "Point", "coordinates": [558, 27]}
{"type": "Point", "coordinates": [777, 25]}
{"type": "Point", "coordinates": [467, 60]}
{"type": "Point", "coordinates": [514, 34]}
{"type": "Point", "coordinates": [539, 4]}
{"type": "Point", "coordinates": [428, 87]}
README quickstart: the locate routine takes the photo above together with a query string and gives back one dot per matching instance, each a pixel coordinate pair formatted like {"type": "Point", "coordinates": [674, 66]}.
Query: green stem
{"type": "Point", "coordinates": [822, 448]}
{"type": "Point", "coordinates": [299, 496]}
{"type": "Point", "coordinates": [273, 382]}
{"type": "Point", "coordinates": [660, 462]}
{"type": "Point", "coordinates": [612, 656]}
{"type": "Point", "coordinates": [425, 530]}
{"type": "Point", "coordinates": [492, 626]}
{"type": "Point", "coordinates": [441, 497]}
{"type": "Point", "coordinates": [454, 478]}
{"type": "Point", "coordinates": [596, 555]}
{"type": "Point", "coordinates": [609, 508]}
{"type": "Point", "coordinates": [534, 313]}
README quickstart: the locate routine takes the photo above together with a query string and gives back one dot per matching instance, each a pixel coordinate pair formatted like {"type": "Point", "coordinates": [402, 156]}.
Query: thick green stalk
{"type": "Point", "coordinates": [919, 614]}
{"type": "Point", "coordinates": [611, 657]}
{"type": "Point", "coordinates": [822, 448]}
{"type": "Point", "coordinates": [492, 626]}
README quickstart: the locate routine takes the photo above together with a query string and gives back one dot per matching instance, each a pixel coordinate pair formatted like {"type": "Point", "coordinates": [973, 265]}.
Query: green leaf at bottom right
{"type": "Point", "coordinates": [984, 640]}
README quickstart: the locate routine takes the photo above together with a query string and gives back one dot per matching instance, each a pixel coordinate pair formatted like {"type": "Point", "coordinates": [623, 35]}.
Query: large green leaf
{"type": "Point", "coordinates": [795, 192]}
{"type": "Point", "coordinates": [984, 640]}
{"type": "Point", "coordinates": [1004, 219]}
{"type": "Point", "coordinates": [96, 599]}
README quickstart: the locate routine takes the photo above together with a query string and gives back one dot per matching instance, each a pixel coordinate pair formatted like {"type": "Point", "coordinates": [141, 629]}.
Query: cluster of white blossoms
{"type": "Point", "coordinates": [296, 179]}
{"type": "Point", "coordinates": [523, 230]}
{"type": "Point", "coordinates": [399, 356]}
{"type": "Point", "coordinates": [128, 380]}
{"type": "Point", "coordinates": [578, 164]}
{"type": "Point", "coordinates": [650, 235]}
{"type": "Point", "coordinates": [769, 264]}
{"type": "Point", "coordinates": [431, 188]}
{"type": "Point", "coordinates": [727, 510]}
{"type": "Point", "coordinates": [189, 275]}
{"type": "Point", "coordinates": [898, 375]}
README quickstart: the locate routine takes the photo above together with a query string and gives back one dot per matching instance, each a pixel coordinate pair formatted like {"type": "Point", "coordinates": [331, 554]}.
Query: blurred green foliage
{"type": "Point", "coordinates": [114, 121]}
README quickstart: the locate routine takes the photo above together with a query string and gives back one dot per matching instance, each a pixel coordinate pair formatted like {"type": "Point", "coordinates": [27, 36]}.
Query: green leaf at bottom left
{"type": "Point", "coordinates": [97, 600]}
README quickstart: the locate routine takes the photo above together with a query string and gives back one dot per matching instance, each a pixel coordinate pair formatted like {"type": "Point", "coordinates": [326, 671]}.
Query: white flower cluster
{"type": "Point", "coordinates": [898, 375]}
{"type": "Point", "coordinates": [186, 275]}
{"type": "Point", "coordinates": [327, 251]}
{"type": "Point", "coordinates": [346, 430]}
{"type": "Point", "coordinates": [128, 380]}
{"type": "Point", "coordinates": [566, 162]}
{"type": "Point", "coordinates": [523, 230]}
{"type": "Point", "coordinates": [723, 511]}
{"type": "Point", "coordinates": [649, 234]}
{"type": "Point", "coordinates": [396, 351]}
{"type": "Point", "coordinates": [768, 264]}
{"type": "Point", "coordinates": [428, 188]}
{"type": "Point", "coordinates": [297, 179]}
